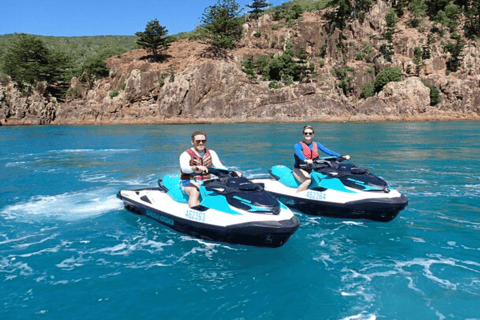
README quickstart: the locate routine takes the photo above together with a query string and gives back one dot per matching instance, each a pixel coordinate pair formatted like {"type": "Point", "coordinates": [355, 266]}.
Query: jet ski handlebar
{"type": "Point", "coordinates": [221, 173]}
{"type": "Point", "coordinates": [322, 163]}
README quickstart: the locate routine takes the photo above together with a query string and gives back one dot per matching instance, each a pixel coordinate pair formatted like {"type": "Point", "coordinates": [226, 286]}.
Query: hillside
{"type": "Point", "coordinates": [79, 48]}
{"type": "Point", "coordinates": [193, 85]}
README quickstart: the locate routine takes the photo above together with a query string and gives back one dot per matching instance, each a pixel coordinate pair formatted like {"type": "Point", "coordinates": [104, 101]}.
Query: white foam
{"type": "Point", "coordinates": [66, 206]}
{"type": "Point", "coordinates": [361, 316]}
{"type": "Point", "coordinates": [93, 151]}
{"type": "Point", "coordinates": [354, 223]}
{"type": "Point", "coordinates": [14, 164]}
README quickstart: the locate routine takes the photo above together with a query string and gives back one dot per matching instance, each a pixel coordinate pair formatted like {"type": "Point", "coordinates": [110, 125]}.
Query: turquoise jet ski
{"type": "Point", "coordinates": [232, 210]}
{"type": "Point", "coordinates": [338, 190]}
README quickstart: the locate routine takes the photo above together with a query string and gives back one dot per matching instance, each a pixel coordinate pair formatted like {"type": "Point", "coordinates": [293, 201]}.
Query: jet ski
{"type": "Point", "coordinates": [339, 190]}
{"type": "Point", "coordinates": [232, 210]}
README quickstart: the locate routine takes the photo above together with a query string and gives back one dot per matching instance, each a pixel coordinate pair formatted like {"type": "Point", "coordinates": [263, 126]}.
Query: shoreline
{"type": "Point", "coordinates": [438, 117]}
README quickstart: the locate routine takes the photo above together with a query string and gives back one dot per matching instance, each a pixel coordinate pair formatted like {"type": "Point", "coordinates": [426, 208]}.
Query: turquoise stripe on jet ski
{"type": "Point", "coordinates": [285, 176]}
{"type": "Point", "coordinates": [217, 202]}
{"type": "Point", "coordinates": [331, 183]}
{"type": "Point", "coordinates": [171, 181]}
{"type": "Point", "coordinates": [172, 184]}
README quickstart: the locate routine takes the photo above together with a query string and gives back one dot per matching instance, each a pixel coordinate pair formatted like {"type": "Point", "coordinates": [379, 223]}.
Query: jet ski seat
{"type": "Point", "coordinates": [172, 184]}
{"type": "Point", "coordinates": [284, 175]}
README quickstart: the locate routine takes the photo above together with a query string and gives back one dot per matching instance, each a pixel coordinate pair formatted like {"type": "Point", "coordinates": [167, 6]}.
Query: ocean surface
{"type": "Point", "coordinates": [68, 249]}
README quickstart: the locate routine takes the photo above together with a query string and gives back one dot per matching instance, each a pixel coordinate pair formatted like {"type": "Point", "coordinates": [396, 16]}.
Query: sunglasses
{"type": "Point", "coordinates": [308, 133]}
{"type": "Point", "coordinates": [200, 141]}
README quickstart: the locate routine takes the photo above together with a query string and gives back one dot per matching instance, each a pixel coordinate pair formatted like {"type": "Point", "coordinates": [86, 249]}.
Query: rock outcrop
{"type": "Point", "coordinates": [192, 87]}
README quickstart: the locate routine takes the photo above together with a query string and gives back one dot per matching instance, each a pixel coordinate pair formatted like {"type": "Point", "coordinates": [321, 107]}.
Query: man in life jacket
{"type": "Point", "coordinates": [305, 152]}
{"type": "Point", "coordinates": [194, 164]}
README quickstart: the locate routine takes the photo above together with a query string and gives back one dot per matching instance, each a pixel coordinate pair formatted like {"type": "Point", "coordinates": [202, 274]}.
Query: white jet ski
{"type": "Point", "coordinates": [232, 210]}
{"type": "Point", "coordinates": [339, 190]}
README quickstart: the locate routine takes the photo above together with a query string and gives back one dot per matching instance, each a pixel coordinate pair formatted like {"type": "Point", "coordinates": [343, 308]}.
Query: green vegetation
{"type": "Point", "coordinates": [78, 48]}
{"type": "Point", "coordinates": [434, 93]}
{"type": "Point", "coordinates": [347, 10]}
{"type": "Point", "coordinates": [113, 94]}
{"type": "Point", "coordinates": [448, 16]}
{"type": "Point", "coordinates": [455, 50]}
{"type": "Point", "coordinates": [154, 38]}
{"type": "Point", "coordinates": [258, 7]}
{"type": "Point", "coordinates": [30, 63]}
{"type": "Point", "coordinates": [387, 75]}
{"type": "Point", "coordinates": [94, 66]}
{"type": "Point", "coordinates": [282, 69]}
{"type": "Point", "coordinates": [222, 24]}
{"type": "Point", "coordinates": [368, 90]}
{"type": "Point", "coordinates": [418, 9]}
{"type": "Point", "coordinates": [344, 74]}
{"type": "Point", "coordinates": [417, 60]}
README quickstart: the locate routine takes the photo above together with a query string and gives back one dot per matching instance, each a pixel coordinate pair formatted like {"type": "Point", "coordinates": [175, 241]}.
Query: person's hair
{"type": "Point", "coordinates": [197, 133]}
{"type": "Point", "coordinates": [308, 127]}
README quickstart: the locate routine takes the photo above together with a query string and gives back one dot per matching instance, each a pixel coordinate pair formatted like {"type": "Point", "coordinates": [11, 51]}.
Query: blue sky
{"type": "Point", "coordinates": [68, 18]}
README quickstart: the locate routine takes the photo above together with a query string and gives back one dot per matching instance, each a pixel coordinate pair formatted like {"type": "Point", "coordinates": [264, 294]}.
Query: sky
{"type": "Point", "coordinates": [67, 18]}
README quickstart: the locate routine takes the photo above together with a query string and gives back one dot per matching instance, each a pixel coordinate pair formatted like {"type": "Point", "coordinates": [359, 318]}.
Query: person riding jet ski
{"type": "Point", "coordinates": [306, 152]}
{"type": "Point", "coordinates": [326, 186]}
{"type": "Point", "coordinates": [207, 201]}
{"type": "Point", "coordinates": [194, 164]}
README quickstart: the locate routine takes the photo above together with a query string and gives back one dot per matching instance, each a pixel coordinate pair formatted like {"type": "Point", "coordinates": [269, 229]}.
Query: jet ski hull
{"type": "Point", "coordinates": [251, 229]}
{"type": "Point", "coordinates": [345, 204]}
{"type": "Point", "coordinates": [382, 210]}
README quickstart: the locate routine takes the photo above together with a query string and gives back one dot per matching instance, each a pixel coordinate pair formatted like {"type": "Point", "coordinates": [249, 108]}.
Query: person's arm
{"type": "Point", "coordinates": [327, 151]}
{"type": "Point", "coordinates": [185, 163]}
{"type": "Point", "coordinates": [216, 163]}
{"type": "Point", "coordinates": [299, 152]}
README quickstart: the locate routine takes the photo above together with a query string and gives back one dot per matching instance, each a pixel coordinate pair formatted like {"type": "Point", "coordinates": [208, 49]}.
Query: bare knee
{"type": "Point", "coordinates": [191, 191]}
{"type": "Point", "coordinates": [301, 175]}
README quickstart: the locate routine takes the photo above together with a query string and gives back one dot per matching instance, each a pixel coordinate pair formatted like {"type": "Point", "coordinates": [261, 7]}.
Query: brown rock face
{"type": "Point", "coordinates": [191, 85]}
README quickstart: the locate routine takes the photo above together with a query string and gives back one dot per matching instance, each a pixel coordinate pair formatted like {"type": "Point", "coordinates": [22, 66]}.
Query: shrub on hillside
{"type": "Point", "coordinates": [283, 68]}
{"type": "Point", "coordinates": [434, 93]}
{"type": "Point", "coordinates": [387, 75]}
{"type": "Point", "coordinates": [368, 90]}
{"type": "Point", "coordinates": [94, 67]}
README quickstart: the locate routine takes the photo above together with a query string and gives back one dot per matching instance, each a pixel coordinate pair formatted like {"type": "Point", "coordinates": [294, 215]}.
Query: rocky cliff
{"type": "Point", "coordinates": [190, 86]}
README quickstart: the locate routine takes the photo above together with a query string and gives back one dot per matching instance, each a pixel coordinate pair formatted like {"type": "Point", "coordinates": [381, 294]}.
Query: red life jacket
{"type": "Point", "coordinates": [307, 153]}
{"type": "Point", "coordinates": [195, 160]}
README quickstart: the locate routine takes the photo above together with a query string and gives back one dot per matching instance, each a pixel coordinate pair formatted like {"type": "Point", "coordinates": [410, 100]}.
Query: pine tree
{"type": "Point", "coordinates": [221, 23]}
{"type": "Point", "coordinates": [154, 38]}
{"type": "Point", "coordinates": [258, 6]}
{"type": "Point", "coordinates": [28, 62]}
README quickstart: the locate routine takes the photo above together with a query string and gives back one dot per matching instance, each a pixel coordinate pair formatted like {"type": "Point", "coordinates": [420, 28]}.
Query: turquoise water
{"type": "Point", "coordinates": [68, 249]}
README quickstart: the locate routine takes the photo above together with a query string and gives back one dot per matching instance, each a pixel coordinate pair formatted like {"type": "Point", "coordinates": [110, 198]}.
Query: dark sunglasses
{"type": "Point", "coordinates": [308, 133]}
{"type": "Point", "coordinates": [200, 141]}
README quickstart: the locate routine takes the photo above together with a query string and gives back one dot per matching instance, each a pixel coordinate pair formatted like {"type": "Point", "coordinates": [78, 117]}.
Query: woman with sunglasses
{"type": "Point", "coordinates": [194, 164]}
{"type": "Point", "coordinates": [305, 152]}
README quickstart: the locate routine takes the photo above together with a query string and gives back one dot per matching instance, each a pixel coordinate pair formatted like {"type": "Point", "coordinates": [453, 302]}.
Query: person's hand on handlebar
{"type": "Point", "coordinates": [346, 157]}
{"type": "Point", "coordinates": [308, 161]}
{"type": "Point", "coordinates": [200, 169]}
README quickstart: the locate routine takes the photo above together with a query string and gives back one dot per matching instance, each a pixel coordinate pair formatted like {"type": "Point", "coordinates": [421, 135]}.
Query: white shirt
{"type": "Point", "coordinates": [185, 160]}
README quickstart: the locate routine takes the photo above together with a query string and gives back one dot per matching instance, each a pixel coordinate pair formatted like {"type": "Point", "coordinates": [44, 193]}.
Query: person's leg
{"type": "Point", "coordinates": [303, 177]}
{"type": "Point", "coordinates": [193, 195]}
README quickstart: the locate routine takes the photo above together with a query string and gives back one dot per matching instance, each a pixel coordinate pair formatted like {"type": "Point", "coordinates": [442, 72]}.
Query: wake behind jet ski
{"type": "Point", "coordinates": [340, 190]}
{"type": "Point", "coordinates": [232, 210]}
